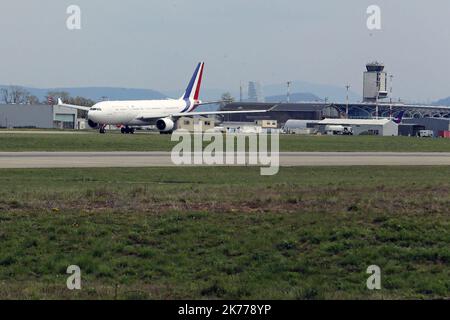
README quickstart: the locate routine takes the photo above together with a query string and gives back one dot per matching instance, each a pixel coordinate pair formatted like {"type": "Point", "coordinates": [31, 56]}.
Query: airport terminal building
{"type": "Point", "coordinates": [37, 116]}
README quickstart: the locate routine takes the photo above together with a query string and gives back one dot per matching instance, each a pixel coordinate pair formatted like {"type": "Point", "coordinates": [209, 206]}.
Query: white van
{"type": "Point", "coordinates": [426, 133]}
{"type": "Point", "coordinates": [338, 130]}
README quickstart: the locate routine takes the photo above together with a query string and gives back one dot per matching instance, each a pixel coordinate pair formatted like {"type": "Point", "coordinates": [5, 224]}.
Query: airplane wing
{"type": "Point", "coordinates": [61, 104]}
{"type": "Point", "coordinates": [206, 113]}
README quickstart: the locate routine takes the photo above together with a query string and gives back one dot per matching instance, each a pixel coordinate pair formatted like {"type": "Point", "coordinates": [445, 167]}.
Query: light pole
{"type": "Point", "coordinates": [390, 109]}
{"type": "Point", "coordinates": [346, 109]}
{"type": "Point", "coordinates": [240, 91]}
{"type": "Point", "coordinates": [288, 96]}
{"type": "Point", "coordinates": [376, 105]}
{"type": "Point", "coordinates": [391, 77]}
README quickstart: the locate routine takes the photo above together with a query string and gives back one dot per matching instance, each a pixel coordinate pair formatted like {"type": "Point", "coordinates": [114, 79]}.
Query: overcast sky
{"type": "Point", "coordinates": [156, 44]}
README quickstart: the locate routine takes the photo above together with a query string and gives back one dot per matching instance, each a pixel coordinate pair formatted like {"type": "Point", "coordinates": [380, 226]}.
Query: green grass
{"type": "Point", "coordinates": [204, 233]}
{"type": "Point", "coordinates": [154, 142]}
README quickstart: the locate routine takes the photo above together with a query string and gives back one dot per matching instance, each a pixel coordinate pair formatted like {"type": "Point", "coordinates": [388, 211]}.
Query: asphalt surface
{"type": "Point", "coordinates": [42, 132]}
{"type": "Point", "coordinates": [163, 159]}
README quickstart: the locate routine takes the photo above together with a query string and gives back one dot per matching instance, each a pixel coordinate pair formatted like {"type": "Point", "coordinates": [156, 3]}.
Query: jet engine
{"type": "Point", "coordinates": [165, 125]}
{"type": "Point", "coordinates": [92, 124]}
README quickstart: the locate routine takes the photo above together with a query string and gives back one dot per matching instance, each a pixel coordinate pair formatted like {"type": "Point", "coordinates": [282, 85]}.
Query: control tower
{"type": "Point", "coordinates": [375, 82]}
{"type": "Point", "coordinates": [255, 93]}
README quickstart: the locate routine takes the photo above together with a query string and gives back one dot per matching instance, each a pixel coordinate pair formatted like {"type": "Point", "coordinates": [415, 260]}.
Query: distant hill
{"type": "Point", "coordinates": [294, 97]}
{"type": "Point", "coordinates": [442, 102]}
{"type": "Point", "coordinates": [98, 93]}
{"type": "Point", "coordinates": [332, 92]}
{"type": "Point", "coordinates": [316, 91]}
{"type": "Point", "coordinates": [206, 94]}
{"type": "Point", "coordinates": [303, 91]}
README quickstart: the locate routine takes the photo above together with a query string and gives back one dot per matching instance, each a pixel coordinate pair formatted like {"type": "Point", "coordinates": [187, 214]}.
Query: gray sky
{"type": "Point", "coordinates": [156, 44]}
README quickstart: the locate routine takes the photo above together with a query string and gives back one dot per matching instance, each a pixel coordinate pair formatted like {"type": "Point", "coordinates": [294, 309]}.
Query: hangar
{"type": "Point", "coordinates": [37, 116]}
{"type": "Point", "coordinates": [437, 125]}
{"type": "Point", "coordinates": [293, 126]}
{"type": "Point", "coordinates": [376, 127]}
{"type": "Point", "coordinates": [409, 129]}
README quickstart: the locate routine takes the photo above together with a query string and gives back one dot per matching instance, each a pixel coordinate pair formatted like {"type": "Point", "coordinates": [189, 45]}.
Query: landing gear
{"type": "Point", "coordinates": [127, 130]}
{"type": "Point", "coordinates": [102, 129]}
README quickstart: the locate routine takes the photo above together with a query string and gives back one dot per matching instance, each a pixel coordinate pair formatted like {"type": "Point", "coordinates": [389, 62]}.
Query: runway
{"type": "Point", "coordinates": [42, 132]}
{"type": "Point", "coordinates": [163, 159]}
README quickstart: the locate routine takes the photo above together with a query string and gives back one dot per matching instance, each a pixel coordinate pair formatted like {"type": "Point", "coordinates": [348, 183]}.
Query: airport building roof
{"type": "Point", "coordinates": [355, 121]}
{"type": "Point", "coordinates": [280, 107]}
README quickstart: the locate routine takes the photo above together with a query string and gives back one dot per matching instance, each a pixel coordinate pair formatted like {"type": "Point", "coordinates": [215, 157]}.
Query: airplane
{"type": "Point", "coordinates": [162, 113]}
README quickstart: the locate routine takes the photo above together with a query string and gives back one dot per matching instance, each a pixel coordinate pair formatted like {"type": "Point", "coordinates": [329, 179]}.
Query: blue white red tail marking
{"type": "Point", "coordinates": [192, 92]}
{"type": "Point", "coordinates": [399, 118]}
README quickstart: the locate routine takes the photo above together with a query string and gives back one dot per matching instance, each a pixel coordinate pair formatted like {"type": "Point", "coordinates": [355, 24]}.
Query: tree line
{"type": "Point", "coordinates": [19, 95]}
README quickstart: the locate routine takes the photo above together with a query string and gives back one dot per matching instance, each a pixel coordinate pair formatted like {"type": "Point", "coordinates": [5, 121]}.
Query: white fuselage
{"type": "Point", "coordinates": [137, 112]}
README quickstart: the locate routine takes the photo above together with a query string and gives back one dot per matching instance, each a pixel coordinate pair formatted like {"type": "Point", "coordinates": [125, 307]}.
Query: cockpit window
{"type": "Point", "coordinates": [96, 109]}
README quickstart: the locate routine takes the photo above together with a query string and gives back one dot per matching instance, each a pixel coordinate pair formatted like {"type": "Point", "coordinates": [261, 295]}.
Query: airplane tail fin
{"type": "Point", "coordinates": [399, 118]}
{"type": "Point", "coordinates": [193, 90]}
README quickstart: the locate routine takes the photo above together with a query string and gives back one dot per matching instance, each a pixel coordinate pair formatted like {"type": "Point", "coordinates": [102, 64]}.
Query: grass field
{"type": "Point", "coordinates": [203, 233]}
{"type": "Point", "coordinates": [154, 142]}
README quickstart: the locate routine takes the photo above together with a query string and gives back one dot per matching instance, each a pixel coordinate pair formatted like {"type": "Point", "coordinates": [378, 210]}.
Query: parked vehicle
{"type": "Point", "coordinates": [339, 130]}
{"type": "Point", "coordinates": [426, 134]}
